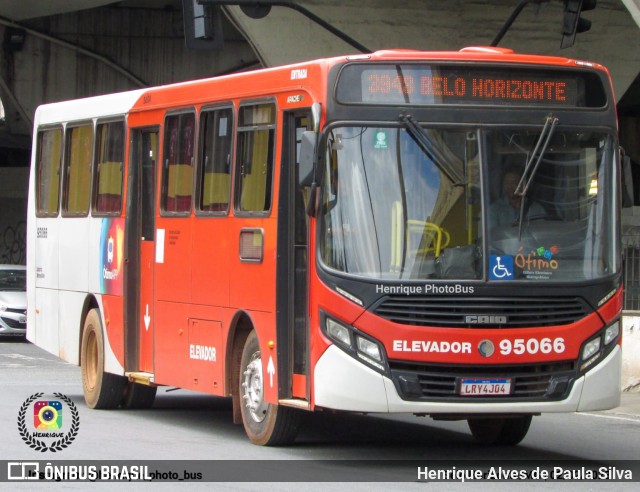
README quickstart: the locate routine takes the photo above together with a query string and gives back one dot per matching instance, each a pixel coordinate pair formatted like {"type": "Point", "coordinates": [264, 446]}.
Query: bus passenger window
{"type": "Point", "coordinates": [77, 184]}
{"type": "Point", "coordinates": [48, 160]}
{"type": "Point", "coordinates": [109, 157]}
{"type": "Point", "coordinates": [256, 137]}
{"type": "Point", "coordinates": [177, 174]}
{"type": "Point", "coordinates": [215, 160]}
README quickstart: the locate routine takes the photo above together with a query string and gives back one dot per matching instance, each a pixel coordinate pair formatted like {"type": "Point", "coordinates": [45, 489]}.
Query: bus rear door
{"type": "Point", "coordinates": [141, 251]}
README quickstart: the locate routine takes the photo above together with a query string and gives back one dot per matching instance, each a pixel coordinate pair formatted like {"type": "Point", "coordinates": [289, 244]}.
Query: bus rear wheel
{"type": "Point", "coordinates": [507, 431]}
{"type": "Point", "coordinates": [265, 424]}
{"type": "Point", "coordinates": [102, 390]}
{"type": "Point", "coordinates": [138, 396]}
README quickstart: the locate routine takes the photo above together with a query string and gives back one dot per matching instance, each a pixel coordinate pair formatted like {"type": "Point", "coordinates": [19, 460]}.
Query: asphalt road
{"type": "Point", "coordinates": [184, 425]}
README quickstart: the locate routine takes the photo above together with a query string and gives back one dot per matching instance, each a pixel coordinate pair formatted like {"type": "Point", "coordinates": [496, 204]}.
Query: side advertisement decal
{"type": "Point", "coordinates": [111, 256]}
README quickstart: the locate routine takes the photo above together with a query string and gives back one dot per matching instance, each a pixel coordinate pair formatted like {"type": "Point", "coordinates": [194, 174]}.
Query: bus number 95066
{"type": "Point", "coordinates": [520, 346]}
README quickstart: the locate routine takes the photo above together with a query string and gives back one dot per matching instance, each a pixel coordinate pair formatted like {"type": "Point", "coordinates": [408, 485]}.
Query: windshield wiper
{"type": "Point", "coordinates": [431, 150]}
{"type": "Point", "coordinates": [547, 132]}
{"type": "Point", "coordinates": [530, 168]}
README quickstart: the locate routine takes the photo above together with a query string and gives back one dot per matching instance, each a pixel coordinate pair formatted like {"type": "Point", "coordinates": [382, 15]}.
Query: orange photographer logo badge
{"type": "Point", "coordinates": [55, 422]}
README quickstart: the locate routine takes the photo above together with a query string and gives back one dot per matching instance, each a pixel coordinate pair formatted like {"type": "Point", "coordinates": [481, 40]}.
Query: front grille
{"type": "Point", "coordinates": [454, 312]}
{"type": "Point", "coordinates": [16, 310]}
{"type": "Point", "coordinates": [548, 381]}
{"type": "Point", "coordinates": [13, 323]}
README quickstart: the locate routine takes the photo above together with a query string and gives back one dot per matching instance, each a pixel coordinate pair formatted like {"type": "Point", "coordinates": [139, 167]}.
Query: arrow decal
{"type": "Point", "coordinates": [147, 319]}
{"type": "Point", "coordinates": [271, 369]}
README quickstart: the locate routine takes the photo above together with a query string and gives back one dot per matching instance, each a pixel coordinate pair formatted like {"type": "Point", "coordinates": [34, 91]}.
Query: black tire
{"type": "Point", "coordinates": [505, 431]}
{"type": "Point", "coordinates": [138, 396]}
{"type": "Point", "coordinates": [265, 424]}
{"type": "Point", "coordinates": [102, 390]}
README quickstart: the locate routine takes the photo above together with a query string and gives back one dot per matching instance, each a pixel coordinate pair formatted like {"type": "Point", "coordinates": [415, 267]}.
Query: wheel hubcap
{"type": "Point", "coordinates": [253, 389]}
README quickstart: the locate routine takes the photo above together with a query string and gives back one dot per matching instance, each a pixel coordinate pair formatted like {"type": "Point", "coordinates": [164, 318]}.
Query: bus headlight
{"type": "Point", "coordinates": [590, 348]}
{"type": "Point", "coordinates": [338, 332]}
{"type": "Point", "coordinates": [369, 351]}
{"type": "Point", "coordinates": [600, 345]}
{"type": "Point", "coordinates": [611, 333]}
{"type": "Point", "coordinates": [369, 348]}
{"type": "Point", "coordinates": [355, 343]}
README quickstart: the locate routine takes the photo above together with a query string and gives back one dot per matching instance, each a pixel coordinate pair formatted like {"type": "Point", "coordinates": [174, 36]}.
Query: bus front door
{"type": "Point", "coordinates": [140, 228]}
{"type": "Point", "coordinates": [292, 270]}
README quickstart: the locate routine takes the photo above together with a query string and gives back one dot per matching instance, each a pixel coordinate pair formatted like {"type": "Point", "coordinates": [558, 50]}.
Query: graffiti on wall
{"type": "Point", "coordinates": [13, 247]}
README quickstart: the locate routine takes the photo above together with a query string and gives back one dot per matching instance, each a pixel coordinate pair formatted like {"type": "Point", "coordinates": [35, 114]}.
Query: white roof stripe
{"type": "Point", "coordinates": [87, 108]}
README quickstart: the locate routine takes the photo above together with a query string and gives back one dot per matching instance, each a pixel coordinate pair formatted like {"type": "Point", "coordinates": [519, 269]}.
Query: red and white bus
{"type": "Point", "coordinates": [434, 233]}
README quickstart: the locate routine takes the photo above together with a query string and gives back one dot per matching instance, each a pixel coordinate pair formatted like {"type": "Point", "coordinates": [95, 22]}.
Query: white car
{"type": "Point", "coordinates": [13, 300]}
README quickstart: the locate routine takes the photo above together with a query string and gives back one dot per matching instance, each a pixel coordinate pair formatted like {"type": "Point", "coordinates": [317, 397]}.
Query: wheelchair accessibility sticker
{"type": "Point", "coordinates": [501, 267]}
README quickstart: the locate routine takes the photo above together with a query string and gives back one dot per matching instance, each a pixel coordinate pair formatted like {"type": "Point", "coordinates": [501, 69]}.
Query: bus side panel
{"type": "Point", "coordinates": [264, 323]}
{"type": "Point", "coordinates": [172, 344]}
{"type": "Point", "coordinates": [46, 320]}
{"type": "Point", "coordinates": [74, 254]}
{"type": "Point", "coordinates": [70, 324]}
{"type": "Point", "coordinates": [47, 252]}
{"type": "Point", "coordinates": [112, 312]}
{"type": "Point", "coordinates": [106, 256]}
{"type": "Point", "coordinates": [206, 357]}
{"type": "Point", "coordinates": [253, 283]}
{"type": "Point", "coordinates": [106, 277]}
{"type": "Point", "coordinates": [211, 248]}
{"type": "Point", "coordinates": [44, 263]}
{"type": "Point", "coordinates": [95, 255]}
{"type": "Point", "coordinates": [253, 287]}
{"type": "Point", "coordinates": [173, 266]}
{"type": "Point", "coordinates": [112, 308]}
{"type": "Point", "coordinates": [190, 347]}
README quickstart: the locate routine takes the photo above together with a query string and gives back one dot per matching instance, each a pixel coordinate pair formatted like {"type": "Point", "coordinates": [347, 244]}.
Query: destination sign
{"type": "Point", "coordinates": [411, 84]}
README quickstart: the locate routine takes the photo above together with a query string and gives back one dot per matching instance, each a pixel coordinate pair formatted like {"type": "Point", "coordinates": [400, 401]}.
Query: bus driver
{"type": "Point", "coordinates": [506, 209]}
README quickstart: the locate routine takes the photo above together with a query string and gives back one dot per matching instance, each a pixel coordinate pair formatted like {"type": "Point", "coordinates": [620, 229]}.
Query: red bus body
{"type": "Point", "coordinates": [181, 271]}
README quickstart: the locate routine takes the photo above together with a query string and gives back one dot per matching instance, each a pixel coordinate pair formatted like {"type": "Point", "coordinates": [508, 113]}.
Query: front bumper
{"type": "Point", "coordinates": [13, 324]}
{"type": "Point", "coordinates": [342, 383]}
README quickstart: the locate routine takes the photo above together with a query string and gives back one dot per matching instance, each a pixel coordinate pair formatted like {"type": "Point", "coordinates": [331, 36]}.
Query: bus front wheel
{"type": "Point", "coordinates": [507, 431]}
{"type": "Point", "coordinates": [265, 424]}
{"type": "Point", "coordinates": [101, 389]}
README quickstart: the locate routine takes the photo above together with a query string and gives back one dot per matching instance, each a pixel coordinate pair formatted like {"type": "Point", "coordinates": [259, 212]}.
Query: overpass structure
{"type": "Point", "coordinates": [60, 50]}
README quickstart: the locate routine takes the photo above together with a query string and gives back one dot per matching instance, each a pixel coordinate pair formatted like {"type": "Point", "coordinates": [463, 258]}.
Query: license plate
{"type": "Point", "coordinates": [485, 387]}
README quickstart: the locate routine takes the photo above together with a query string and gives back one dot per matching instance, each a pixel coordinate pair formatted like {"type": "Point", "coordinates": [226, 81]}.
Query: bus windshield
{"type": "Point", "coordinates": [449, 204]}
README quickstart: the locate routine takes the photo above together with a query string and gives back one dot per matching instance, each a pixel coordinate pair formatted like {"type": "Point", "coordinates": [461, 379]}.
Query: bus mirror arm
{"type": "Point", "coordinates": [311, 206]}
{"type": "Point", "coordinates": [306, 165]}
{"type": "Point", "coordinates": [627, 181]}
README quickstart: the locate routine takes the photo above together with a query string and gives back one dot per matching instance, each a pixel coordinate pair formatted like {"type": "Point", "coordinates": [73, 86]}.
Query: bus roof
{"type": "Point", "coordinates": [273, 79]}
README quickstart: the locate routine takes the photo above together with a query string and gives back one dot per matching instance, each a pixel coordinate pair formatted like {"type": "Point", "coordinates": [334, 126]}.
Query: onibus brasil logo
{"type": "Point", "coordinates": [54, 422]}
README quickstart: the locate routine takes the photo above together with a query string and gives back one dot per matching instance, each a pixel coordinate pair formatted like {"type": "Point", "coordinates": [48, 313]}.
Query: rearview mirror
{"type": "Point", "coordinates": [307, 158]}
